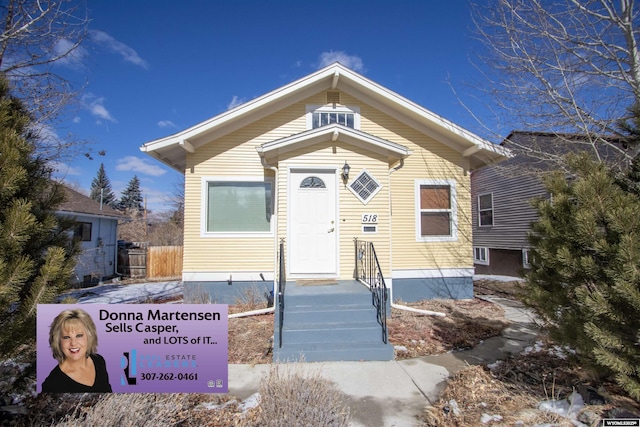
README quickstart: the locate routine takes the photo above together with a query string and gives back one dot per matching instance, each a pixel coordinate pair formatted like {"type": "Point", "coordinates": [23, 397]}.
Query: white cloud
{"type": "Point", "coordinates": [235, 101]}
{"type": "Point", "coordinates": [117, 47]}
{"type": "Point", "coordinates": [69, 55]}
{"type": "Point", "coordinates": [62, 169]}
{"type": "Point", "coordinates": [136, 164]}
{"type": "Point", "coordinates": [166, 124]}
{"type": "Point", "coordinates": [97, 108]}
{"type": "Point", "coordinates": [76, 119]}
{"type": "Point", "coordinates": [350, 61]}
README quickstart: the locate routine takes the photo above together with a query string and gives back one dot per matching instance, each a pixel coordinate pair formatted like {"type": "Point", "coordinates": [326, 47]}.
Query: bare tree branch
{"type": "Point", "coordinates": [36, 37]}
{"type": "Point", "coordinates": [565, 66]}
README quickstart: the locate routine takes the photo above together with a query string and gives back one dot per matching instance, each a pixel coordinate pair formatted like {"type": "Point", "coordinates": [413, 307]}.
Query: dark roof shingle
{"type": "Point", "coordinates": [78, 203]}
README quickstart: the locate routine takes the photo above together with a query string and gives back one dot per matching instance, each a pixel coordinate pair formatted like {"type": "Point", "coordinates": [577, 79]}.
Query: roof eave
{"type": "Point", "coordinates": [333, 133]}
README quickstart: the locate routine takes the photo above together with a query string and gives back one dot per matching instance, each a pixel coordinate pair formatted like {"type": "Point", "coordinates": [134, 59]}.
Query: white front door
{"type": "Point", "coordinates": [312, 223]}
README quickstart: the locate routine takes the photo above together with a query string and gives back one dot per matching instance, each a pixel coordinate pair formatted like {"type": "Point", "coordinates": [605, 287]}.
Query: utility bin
{"type": "Point", "coordinates": [132, 260]}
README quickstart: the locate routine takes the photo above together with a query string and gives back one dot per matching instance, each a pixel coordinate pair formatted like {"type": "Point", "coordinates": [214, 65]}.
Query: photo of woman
{"type": "Point", "coordinates": [73, 341]}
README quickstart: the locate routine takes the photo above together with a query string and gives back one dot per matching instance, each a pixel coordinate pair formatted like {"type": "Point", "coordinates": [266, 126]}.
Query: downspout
{"type": "Point", "coordinates": [271, 309]}
{"type": "Point", "coordinates": [394, 305]}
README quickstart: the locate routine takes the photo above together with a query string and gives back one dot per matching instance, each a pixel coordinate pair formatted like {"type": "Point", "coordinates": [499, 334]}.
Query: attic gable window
{"type": "Point", "coordinates": [364, 186]}
{"type": "Point", "coordinates": [324, 115]}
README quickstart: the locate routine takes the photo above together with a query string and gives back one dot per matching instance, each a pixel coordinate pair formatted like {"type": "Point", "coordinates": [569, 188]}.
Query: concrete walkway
{"type": "Point", "coordinates": [395, 393]}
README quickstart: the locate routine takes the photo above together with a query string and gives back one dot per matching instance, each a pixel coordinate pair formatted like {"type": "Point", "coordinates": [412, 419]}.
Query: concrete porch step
{"type": "Point", "coordinates": [329, 315]}
{"type": "Point", "coordinates": [324, 352]}
{"type": "Point", "coordinates": [330, 323]}
{"type": "Point", "coordinates": [342, 333]}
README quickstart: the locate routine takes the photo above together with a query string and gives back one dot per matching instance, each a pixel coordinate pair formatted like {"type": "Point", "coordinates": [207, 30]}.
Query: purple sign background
{"type": "Point", "coordinates": [165, 353]}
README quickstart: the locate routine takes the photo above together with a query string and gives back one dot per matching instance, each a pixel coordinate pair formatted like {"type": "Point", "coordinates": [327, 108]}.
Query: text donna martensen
{"type": "Point", "coordinates": [159, 315]}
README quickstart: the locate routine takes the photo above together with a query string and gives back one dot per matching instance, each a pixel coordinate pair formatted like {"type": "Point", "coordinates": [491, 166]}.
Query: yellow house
{"type": "Point", "coordinates": [320, 164]}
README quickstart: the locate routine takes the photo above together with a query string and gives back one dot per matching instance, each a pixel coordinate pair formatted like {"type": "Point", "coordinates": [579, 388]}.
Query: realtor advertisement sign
{"type": "Point", "coordinates": [147, 348]}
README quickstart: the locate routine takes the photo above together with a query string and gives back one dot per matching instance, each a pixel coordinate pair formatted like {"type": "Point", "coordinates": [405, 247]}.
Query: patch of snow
{"type": "Point", "coordinates": [567, 408]}
{"type": "Point", "coordinates": [556, 350]}
{"type": "Point", "coordinates": [250, 402]}
{"type": "Point", "coordinates": [400, 348]}
{"type": "Point", "coordinates": [453, 405]}
{"type": "Point", "coordinates": [132, 293]}
{"type": "Point", "coordinates": [497, 278]}
{"type": "Point", "coordinates": [493, 366]}
{"type": "Point", "coordinates": [486, 418]}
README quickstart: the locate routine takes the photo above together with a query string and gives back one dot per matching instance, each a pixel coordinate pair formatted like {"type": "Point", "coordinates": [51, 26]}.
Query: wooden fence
{"type": "Point", "coordinates": [164, 262]}
{"type": "Point", "coordinates": [152, 262]}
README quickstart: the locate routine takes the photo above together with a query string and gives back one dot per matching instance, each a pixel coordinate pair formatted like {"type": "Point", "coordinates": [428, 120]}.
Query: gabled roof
{"type": "Point", "coordinates": [172, 150]}
{"type": "Point", "coordinates": [334, 132]}
{"type": "Point", "coordinates": [78, 204]}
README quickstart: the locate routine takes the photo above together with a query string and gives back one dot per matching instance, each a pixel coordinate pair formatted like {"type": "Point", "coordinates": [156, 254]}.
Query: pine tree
{"type": "Point", "coordinates": [101, 190]}
{"type": "Point", "coordinates": [585, 269]}
{"type": "Point", "coordinates": [131, 200]}
{"type": "Point", "coordinates": [36, 255]}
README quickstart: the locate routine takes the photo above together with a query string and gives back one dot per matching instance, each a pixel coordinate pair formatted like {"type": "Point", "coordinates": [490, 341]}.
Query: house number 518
{"type": "Point", "coordinates": [369, 218]}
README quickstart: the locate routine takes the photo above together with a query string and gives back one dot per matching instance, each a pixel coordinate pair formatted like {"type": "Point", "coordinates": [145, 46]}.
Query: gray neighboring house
{"type": "Point", "coordinates": [97, 231]}
{"type": "Point", "coordinates": [501, 210]}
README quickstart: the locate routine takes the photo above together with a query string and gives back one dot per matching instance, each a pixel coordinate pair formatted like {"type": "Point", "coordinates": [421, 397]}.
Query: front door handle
{"type": "Point", "coordinates": [331, 230]}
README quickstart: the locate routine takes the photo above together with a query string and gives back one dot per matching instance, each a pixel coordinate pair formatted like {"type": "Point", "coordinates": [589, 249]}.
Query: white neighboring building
{"type": "Point", "coordinates": [97, 230]}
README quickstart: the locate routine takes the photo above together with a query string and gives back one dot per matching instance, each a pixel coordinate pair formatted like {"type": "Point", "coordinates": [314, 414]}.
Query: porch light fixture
{"type": "Point", "coordinates": [345, 171]}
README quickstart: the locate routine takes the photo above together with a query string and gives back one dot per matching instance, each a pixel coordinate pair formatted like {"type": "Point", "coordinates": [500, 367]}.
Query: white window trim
{"type": "Point", "coordinates": [331, 109]}
{"type": "Point", "coordinates": [492, 211]}
{"type": "Point", "coordinates": [477, 260]}
{"type": "Point", "coordinates": [525, 258]}
{"type": "Point", "coordinates": [373, 194]}
{"type": "Point", "coordinates": [203, 206]}
{"type": "Point", "coordinates": [454, 210]}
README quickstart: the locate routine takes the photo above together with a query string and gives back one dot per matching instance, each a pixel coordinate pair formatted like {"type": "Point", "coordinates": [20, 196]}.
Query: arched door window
{"type": "Point", "coordinates": [312, 182]}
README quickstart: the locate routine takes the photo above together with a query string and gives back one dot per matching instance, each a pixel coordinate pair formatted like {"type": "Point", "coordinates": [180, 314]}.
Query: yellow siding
{"type": "Point", "coordinates": [235, 155]}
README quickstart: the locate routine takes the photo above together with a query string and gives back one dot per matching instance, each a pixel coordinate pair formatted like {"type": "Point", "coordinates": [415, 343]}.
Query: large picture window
{"type": "Point", "coordinates": [238, 207]}
{"type": "Point", "coordinates": [436, 216]}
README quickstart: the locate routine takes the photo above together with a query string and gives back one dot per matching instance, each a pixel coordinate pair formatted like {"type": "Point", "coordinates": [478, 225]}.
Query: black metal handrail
{"type": "Point", "coordinates": [282, 280]}
{"type": "Point", "coordinates": [368, 271]}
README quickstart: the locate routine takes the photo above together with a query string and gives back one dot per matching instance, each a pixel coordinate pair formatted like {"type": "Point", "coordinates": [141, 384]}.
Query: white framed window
{"type": "Point", "coordinates": [436, 210]}
{"type": "Point", "coordinates": [485, 210]}
{"type": "Point", "coordinates": [364, 186]}
{"type": "Point", "coordinates": [323, 115]}
{"type": "Point", "coordinates": [236, 207]}
{"type": "Point", "coordinates": [480, 255]}
{"type": "Point", "coordinates": [525, 258]}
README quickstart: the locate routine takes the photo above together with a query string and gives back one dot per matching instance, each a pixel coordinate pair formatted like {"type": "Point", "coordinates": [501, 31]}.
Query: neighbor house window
{"type": "Point", "coordinates": [481, 255]}
{"type": "Point", "coordinates": [82, 232]}
{"type": "Point", "coordinates": [436, 216]}
{"type": "Point", "coordinates": [318, 116]}
{"type": "Point", "coordinates": [237, 206]}
{"type": "Point", "coordinates": [526, 261]}
{"type": "Point", "coordinates": [485, 210]}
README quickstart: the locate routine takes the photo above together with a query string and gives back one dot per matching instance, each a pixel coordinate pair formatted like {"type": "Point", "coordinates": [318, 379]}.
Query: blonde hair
{"type": "Point", "coordinates": [68, 317]}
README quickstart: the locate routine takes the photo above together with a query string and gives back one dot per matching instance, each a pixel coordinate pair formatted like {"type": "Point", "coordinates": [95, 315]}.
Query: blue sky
{"type": "Point", "coordinates": [153, 68]}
